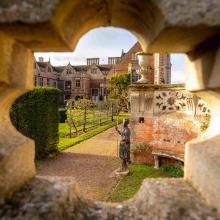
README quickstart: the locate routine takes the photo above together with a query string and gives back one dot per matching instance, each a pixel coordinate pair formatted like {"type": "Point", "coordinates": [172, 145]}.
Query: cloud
{"type": "Point", "coordinates": [178, 68]}
{"type": "Point", "coordinates": [177, 77]}
{"type": "Point", "coordinates": [105, 42]}
{"type": "Point", "coordinates": [100, 42]}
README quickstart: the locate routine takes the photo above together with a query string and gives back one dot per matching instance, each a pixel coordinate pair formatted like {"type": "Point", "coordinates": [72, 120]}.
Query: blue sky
{"type": "Point", "coordinates": [105, 42]}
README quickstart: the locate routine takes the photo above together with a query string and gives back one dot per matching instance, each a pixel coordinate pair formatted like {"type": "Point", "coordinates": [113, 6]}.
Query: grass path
{"type": "Point", "coordinates": [90, 162]}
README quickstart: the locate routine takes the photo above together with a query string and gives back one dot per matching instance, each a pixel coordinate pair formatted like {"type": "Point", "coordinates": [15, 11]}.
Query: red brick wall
{"type": "Point", "coordinates": [167, 135]}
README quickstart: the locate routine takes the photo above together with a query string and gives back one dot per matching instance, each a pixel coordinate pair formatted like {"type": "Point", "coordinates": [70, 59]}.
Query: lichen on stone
{"type": "Point", "coordinates": [28, 11]}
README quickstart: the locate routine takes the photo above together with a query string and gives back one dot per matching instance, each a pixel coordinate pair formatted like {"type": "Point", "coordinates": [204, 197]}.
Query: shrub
{"type": "Point", "coordinates": [174, 171]}
{"type": "Point", "coordinates": [62, 115]}
{"type": "Point", "coordinates": [35, 114]}
{"type": "Point", "coordinates": [142, 147]}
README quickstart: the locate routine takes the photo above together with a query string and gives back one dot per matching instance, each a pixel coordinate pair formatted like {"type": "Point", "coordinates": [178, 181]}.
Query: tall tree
{"type": "Point", "coordinates": [118, 87]}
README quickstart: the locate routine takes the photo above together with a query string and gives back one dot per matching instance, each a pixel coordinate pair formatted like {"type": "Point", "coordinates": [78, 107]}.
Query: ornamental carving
{"type": "Point", "coordinates": [169, 101]}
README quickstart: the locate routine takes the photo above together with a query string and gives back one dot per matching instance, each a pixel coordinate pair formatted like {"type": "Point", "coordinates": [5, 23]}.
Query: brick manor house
{"type": "Point", "coordinates": [90, 81]}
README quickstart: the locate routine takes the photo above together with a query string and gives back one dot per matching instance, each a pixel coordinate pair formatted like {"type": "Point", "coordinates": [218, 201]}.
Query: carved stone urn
{"type": "Point", "coordinates": [145, 68]}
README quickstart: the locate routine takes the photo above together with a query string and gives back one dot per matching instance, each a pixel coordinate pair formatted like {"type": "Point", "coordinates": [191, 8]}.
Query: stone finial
{"type": "Point", "coordinates": [41, 59]}
{"type": "Point", "coordinates": [145, 67]}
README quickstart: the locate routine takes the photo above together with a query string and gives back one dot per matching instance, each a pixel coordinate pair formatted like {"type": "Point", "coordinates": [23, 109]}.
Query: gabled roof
{"type": "Point", "coordinates": [127, 57]}
{"type": "Point", "coordinates": [58, 69]}
{"type": "Point", "coordinates": [42, 64]}
{"type": "Point", "coordinates": [105, 67]}
{"type": "Point", "coordinates": [81, 68]}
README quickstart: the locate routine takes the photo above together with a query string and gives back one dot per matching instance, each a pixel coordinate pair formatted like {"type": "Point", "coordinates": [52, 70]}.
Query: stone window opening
{"type": "Point", "coordinates": [48, 82]}
{"type": "Point", "coordinates": [41, 83]}
{"type": "Point", "coordinates": [141, 119]}
{"type": "Point", "coordinates": [93, 71]}
{"type": "Point", "coordinates": [200, 81]}
{"type": "Point", "coordinates": [68, 71]}
{"type": "Point", "coordinates": [67, 85]}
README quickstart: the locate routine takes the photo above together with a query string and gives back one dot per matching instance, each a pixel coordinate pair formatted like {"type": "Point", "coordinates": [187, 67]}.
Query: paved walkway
{"type": "Point", "coordinates": [91, 163]}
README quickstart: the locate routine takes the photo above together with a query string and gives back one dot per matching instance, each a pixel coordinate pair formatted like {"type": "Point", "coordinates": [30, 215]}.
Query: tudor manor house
{"type": "Point", "coordinates": [90, 81]}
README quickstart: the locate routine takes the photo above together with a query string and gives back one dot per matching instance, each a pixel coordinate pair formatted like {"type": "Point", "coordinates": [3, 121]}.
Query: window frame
{"type": "Point", "coordinates": [67, 85]}
{"type": "Point", "coordinates": [93, 71]}
{"type": "Point", "coordinates": [78, 83]}
{"type": "Point", "coordinates": [41, 81]}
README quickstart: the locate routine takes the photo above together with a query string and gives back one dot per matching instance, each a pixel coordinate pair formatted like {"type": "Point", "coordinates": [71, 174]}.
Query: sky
{"type": "Point", "coordinates": [105, 42]}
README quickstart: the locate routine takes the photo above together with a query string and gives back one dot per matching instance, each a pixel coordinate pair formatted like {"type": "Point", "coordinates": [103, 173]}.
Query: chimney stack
{"type": "Point", "coordinates": [41, 59]}
{"type": "Point", "coordinates": [90, 61]}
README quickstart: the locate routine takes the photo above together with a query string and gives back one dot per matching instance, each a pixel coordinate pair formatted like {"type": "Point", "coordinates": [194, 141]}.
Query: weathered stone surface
{"type": "Point", "coordinates": [202, 168]}
{"type": "Point", "coordinates": [16, 162]}
{"type": "Point", "coordinates": [43, 199]}
{"type": "Point", "coordinates": [155, 23]}
{"type": "Point", "coordinates": [29, 11]}
{"type": "Point", "coordinates": [202, 164]}
{"type": "Point", "coordinates": [57, 199]}
{"type": "Point", "coordinates": [16, 151]}
{"type": "Point", "coordinates": [202, 69]}
{"type": "Point", "coordinates": [187, 13]}
{"type": "Point", "coordinates": [161, 26]}
{"type": "Point", "coordinates": [214, 79]}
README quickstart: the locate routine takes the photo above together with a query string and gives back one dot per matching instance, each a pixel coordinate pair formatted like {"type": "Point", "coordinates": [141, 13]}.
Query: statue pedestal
{"type": "Point", "coordinates": [120, 173]}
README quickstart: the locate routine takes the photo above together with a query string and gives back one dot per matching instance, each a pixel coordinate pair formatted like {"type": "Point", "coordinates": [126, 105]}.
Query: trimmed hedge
{"type": "Point", "coordinates": [35, 114]}
{"type": "Point", "coordinates": [62, 115]}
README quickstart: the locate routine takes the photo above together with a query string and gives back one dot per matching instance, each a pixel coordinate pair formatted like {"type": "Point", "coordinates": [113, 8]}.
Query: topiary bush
{"type": "Point", "coordinates": [62, 115]}
{"type": "Point", "coordinates": [35, 114]}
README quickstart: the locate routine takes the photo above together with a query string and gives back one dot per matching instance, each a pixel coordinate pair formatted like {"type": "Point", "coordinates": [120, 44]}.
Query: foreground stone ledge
{"type": "Point", "coordinates": [202, 168]}
{"type": "Point", "coordinates": [16, 163]}
{"type": "Point", "coordinates": [43, 199]}
{"type": "Point", "coordinates": [57, 198]}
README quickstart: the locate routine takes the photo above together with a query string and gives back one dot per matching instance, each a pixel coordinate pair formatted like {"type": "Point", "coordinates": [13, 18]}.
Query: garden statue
{"type": "Point", "coordinates": [124, 148]}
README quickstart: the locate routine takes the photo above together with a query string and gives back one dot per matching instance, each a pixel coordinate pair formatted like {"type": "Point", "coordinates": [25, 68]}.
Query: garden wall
{"type": "Point", "coordinates": [165, 118]}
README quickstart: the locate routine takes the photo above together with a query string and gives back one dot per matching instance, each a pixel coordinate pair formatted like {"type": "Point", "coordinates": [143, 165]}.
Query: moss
{"type": "Point", "coordinates": [156, 86]}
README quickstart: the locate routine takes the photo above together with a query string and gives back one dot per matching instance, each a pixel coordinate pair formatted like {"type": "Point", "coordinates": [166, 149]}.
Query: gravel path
{"type": "Point", "coordinates": [91, 163]}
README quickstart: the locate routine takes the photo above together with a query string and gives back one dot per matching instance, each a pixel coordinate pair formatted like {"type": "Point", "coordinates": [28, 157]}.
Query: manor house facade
{"type": "Point", "coordinates": [90, 81]}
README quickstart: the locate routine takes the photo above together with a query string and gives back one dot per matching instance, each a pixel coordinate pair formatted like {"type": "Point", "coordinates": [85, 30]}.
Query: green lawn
{"type": "Point", "coordinates": [131, 183]}
{"type": "Point", "coordinates": [65, 130]}
{"type": "Point", "coordinates": [92, 115]}
{"type": "Point", "coordinates": [65, 142]}
{"type": "Point", "coordinates": [68, 142]}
